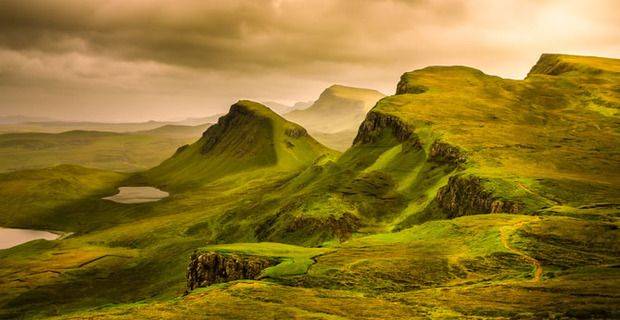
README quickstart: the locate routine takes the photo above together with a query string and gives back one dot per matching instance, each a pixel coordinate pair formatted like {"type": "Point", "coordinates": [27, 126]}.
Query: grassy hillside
{"type": "Point", "coordinates": [248, 138]}
{"type": "Point", "coordinates": [336, 114]}
{"type": "Point", "coordinates": [492, 266]}
{"type": "Point", "coordinates": [105, 150]}
{"type": "Point", "coordinates": [463, 196]}
{"type": "Point", "coordinates": [41, 198]}
{"type": "Point", "coordinates": [456, 141]}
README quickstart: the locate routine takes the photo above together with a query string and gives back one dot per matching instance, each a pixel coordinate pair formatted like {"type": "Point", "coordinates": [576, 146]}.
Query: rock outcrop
{"type": "Point", "coordinates": [340, 228]}
{"type": "Point", "coordinates": [209, 268]}
{"type": "Point", "coordinates": [444, 153]}
{"type": "Point", "coordinates": [466, 195]}
{"type": "Point", "coordinates": [296, 132]}
{"type": "Point", "coordinates": [404, 87]}
{"type": "Point", "coordinates": [238, 116]}
{"type": "Point", "coordinates": [370, 130]}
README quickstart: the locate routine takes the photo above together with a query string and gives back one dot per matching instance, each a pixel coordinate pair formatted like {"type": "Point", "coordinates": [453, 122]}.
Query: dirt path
{"type": "Point", "coordinates": [524, 187]}
{"type": "Point", "coordinates": [505, 237]}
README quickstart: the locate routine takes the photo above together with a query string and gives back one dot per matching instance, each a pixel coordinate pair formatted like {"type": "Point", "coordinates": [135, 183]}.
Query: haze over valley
{"type": "Point", "coordinates": [291, 159]}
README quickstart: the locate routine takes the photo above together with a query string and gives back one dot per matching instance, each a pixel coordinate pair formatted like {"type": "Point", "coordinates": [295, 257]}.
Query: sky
{"type": "Point", "coordinates": [122, 60]}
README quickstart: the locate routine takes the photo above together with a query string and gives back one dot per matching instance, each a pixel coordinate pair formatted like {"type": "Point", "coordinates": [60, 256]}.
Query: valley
{"type": "Point", "coordinates": [463, 195]}
{"type": "Point", "coordinates": [117, 151]}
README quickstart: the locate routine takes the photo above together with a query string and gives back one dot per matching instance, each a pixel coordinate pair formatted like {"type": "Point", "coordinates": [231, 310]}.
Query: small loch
{"type": "Point", "coordinates": [10, 237]}
{"type": "Point", "coordinates": [131, 195]}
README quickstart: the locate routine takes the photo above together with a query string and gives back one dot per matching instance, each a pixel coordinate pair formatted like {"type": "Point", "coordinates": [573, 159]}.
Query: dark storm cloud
{"type": "Point", "coordinates": [77, 56]}
{"type": "Point", "coordinates": [217, 34]}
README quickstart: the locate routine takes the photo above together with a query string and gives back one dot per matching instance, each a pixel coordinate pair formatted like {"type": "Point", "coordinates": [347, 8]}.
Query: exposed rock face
{"type": "Point", "coordinates": [466, 195]}
{"type": "Point", "coordinates": [370, 130]}
{"type": "Point", "coordinates": [181, 148]}
{"type": "Point", "coordinates": [405, 87]}
{"type": "Point", "coordinates": [238, 117]}
{"type": "Point", "coordinates": [296, 132]}
{"type": "Point", "coordinates": [445, 153]}
{"type": "Point", "coordinates": [341, 228]}
{"type": "Point", "coordinates": [211, 267]}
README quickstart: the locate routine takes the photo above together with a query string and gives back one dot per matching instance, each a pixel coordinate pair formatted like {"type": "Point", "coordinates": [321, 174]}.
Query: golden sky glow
{"type": "Point", "coordinates": [124, 60]}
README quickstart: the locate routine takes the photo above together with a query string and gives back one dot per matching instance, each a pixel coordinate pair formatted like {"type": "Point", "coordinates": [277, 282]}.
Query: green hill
{"type": "Point", "coordinates": [248, 138]}
{"type": "Point", "coordinates": [455, 141]}
{"type": "Point", "coordinates": [39, 198]}
{"type": "Point", "coordinates": [336, 115]}
{"type": "Point", "coordinates": [464, 195]}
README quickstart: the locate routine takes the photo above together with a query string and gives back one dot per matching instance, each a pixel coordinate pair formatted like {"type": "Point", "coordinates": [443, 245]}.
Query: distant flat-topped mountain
{"type": "Point", "coordinates": [339, 108]}
{"type": "Point", "coordinates": [334, 118]}
{"type": "Point", "coordinates": [250, 136]}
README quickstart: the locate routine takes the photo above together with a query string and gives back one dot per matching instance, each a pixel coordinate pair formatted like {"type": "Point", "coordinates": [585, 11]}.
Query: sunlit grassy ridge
{"type": "Point", "coordinates": [365, 233]}
{"type": "Point", "coordinates": [250, 137]}
{"type": "Point", "coordinates": [538, 142]}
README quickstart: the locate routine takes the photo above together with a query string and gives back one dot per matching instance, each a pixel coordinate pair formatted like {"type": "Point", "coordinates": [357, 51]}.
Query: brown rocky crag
{"type": "Point", "coordinates": [466, 195]}
{"type": "Point", "coordinates": [370, 130]}
{"type": "Point", "coordinates": [444, 153]}
{"type": "Point", "coordinates": [208, 268]}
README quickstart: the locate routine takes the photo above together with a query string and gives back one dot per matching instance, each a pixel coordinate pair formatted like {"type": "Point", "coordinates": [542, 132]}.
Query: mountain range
{"type": "Point", "coordinates": [463, 195]}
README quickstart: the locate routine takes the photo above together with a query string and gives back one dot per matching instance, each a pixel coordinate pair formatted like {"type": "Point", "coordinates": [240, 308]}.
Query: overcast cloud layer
{"type": "Point", "coordinates": [139, 60]}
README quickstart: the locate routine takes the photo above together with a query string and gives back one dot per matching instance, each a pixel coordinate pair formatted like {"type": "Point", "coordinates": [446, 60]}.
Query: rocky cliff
{"type": "Point", "coordinates": [371, 129]}
{"type": "Point", "coordinates": [444, 153]}
{"type": "Point", "coordinates": [466, 195]}
{"type": "Point", "coordinates": [209, 268]}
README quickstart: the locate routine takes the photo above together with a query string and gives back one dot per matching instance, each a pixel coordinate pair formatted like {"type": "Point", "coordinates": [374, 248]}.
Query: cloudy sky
{"type": "Point", "coordinates": [122, 60]}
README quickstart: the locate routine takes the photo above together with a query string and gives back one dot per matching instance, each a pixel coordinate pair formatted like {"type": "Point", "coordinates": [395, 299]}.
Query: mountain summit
{"type": "Point", "coordinates": [339, 108]}
{"type": "Point", "coordinates": [250, 136]}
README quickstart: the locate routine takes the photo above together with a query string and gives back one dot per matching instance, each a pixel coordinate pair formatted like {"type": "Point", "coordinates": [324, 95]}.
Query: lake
{"type": "Point", "coordinates": [11, 237]}
{"type": "Point", "coordinates": [129, 195]}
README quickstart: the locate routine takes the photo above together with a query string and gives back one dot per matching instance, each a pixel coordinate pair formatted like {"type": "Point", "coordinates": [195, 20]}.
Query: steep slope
{"type": "Point", "coordinates": [336, 114]}
{"type": "Point", "coordinates": [454, 141]}
{"type": "Point", "coordinates": [249, 137]}
{"type": "Point", "coordinates": [482, 155]}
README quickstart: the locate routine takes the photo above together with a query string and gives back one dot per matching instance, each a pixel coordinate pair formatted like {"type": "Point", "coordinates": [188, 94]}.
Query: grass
{"type": "Point", "coordinates": [104, 150]}
{"type": "Point", "coordinates": [294, 260]}
{"type": "Point", "coordinates": [457, 268]}
{"type": "Point", "coordinates": [358, 234]}
{"type": "Point", "coordinates": [253, 137]}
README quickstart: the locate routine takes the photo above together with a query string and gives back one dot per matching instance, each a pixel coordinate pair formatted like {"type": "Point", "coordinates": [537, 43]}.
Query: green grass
{"type": "Point", "coordinates": [252, 137]}
{"type": "Point", "coordinates": [104, 150]}
{"type": "Point", "coordinates": [359, 234]}
{"type": "Point", "coordinates": [458, 268]}
{"type": "Point", "coordinates": [294, 260]}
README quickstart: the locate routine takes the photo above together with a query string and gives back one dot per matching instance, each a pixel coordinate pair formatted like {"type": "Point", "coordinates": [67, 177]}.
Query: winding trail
{"type": "Point", "coordinates": [524, 187]}
{"type": "Point", "coordinates": [505, 237]}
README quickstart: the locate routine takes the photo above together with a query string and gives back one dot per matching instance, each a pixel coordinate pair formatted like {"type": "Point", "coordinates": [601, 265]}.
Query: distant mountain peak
{"type": "Point", "coordinates": [339, 108]}
{"type": "Point", "coordinates": [249, 136]}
